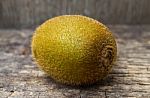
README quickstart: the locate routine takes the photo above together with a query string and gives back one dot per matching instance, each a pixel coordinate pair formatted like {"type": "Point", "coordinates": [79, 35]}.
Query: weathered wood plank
{"type": "Point", "coordinates": [30, 13]}
{"type": "Point", "coordinates": [130, 77]}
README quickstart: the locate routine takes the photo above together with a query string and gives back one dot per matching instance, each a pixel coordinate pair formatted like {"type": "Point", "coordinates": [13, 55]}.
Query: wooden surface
{"type": "Point", "coordinates": [29, 13]}
{"type": "Point", "coordinates": [130, 77]}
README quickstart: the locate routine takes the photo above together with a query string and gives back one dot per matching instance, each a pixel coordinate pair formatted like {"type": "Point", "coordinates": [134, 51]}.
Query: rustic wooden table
{"type": "Point", "coordinates": [130, 77]}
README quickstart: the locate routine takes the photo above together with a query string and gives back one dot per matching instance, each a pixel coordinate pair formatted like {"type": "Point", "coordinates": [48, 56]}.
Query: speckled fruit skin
{"type": "Point", "coordinates": [74, 49]}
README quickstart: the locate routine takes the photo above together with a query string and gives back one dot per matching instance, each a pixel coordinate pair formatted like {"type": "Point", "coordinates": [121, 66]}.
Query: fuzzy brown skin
{"type": "Point", "coordinates": [74, 49]}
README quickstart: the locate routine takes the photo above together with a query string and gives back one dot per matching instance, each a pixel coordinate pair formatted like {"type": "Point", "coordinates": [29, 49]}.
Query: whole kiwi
{"type": "Point", "coordinates": [74, 49]}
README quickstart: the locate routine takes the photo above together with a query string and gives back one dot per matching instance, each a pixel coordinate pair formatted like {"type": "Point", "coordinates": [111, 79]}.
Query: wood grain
{"type": "Point", "coordinates": [130, 77]}
{"type": "Point", "coordinates": [30, 13]}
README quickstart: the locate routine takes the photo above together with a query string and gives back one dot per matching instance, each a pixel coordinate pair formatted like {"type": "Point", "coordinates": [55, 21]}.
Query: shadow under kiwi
{"type": "Point", "coordinates": [108, 81]}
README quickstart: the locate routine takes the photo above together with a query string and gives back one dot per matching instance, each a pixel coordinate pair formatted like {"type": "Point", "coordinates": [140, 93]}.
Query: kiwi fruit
{"type": "Point", "coordinates": [74, 49]}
